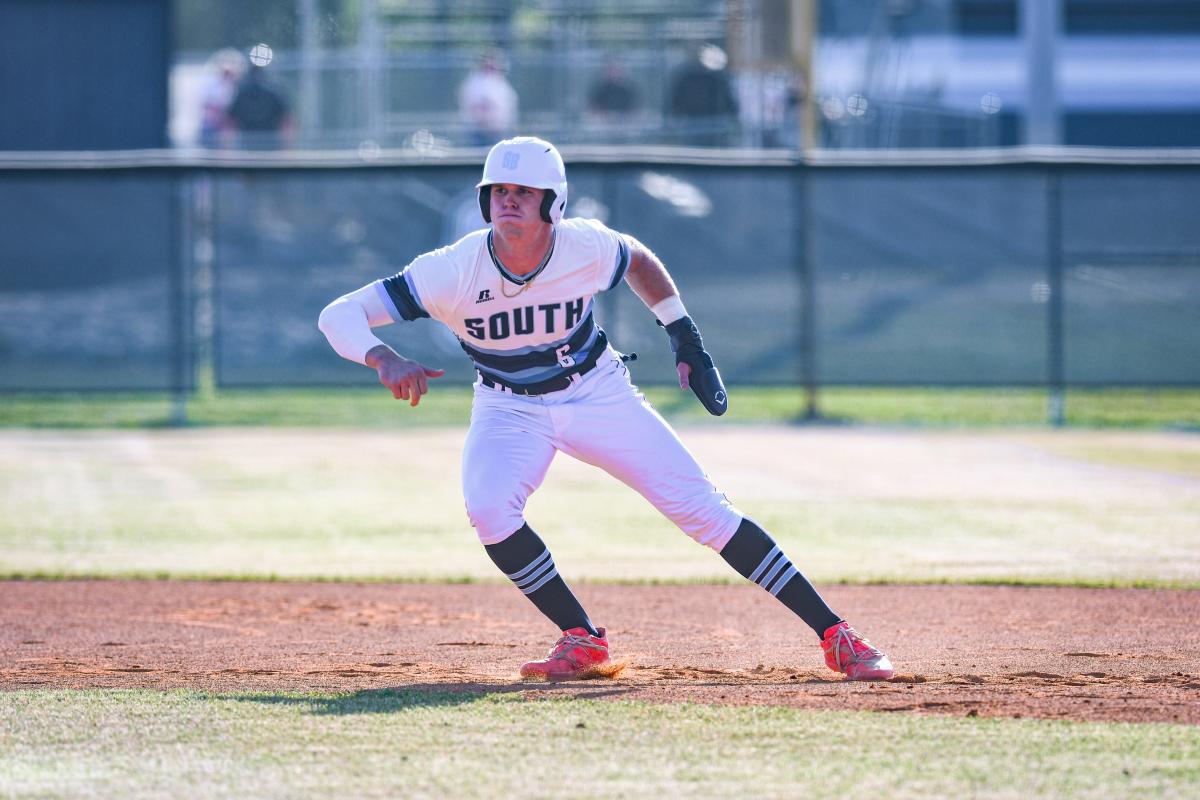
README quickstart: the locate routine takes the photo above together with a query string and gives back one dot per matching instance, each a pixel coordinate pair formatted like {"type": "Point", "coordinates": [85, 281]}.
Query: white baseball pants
{"type": "Point", "coordinates": [601, 419]}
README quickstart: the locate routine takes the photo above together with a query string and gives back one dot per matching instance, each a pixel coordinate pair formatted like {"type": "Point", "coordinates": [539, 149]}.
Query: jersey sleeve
{"type": "Point", "coordinates": [419, 290]}
{"type": "Point", "coordinates": [612, 256]}
{"type": "Point", "coordinates": [400, 296]}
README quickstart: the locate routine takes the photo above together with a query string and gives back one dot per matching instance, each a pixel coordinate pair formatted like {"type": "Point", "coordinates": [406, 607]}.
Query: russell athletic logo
{"type": "Point", "coordinates": [484, 296]}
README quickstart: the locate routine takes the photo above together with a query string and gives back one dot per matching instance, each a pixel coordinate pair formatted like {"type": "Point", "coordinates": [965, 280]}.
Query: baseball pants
{"type": "Point", "coordinates": [601, 419]}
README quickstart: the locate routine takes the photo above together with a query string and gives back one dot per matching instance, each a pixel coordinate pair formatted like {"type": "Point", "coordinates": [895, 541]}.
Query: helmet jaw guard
{"type": "Point", "coordinates": [526, 161]}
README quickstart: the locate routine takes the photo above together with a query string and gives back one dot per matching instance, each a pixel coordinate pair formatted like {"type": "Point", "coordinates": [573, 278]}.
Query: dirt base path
{"type": "Point", "coordinates": [1017, 652]}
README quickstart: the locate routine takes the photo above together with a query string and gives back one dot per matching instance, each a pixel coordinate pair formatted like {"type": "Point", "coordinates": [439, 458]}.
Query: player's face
{"type": "Point", "coordinates": [514, 206]}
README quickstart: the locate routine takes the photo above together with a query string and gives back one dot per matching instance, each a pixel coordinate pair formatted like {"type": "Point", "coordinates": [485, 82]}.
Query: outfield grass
{"type": "Point", "coordinates": [849, 504]}
{"type": "Point", "coordinates": [450, 405]}
{"type": "Point", "coordinates": [105, 743]}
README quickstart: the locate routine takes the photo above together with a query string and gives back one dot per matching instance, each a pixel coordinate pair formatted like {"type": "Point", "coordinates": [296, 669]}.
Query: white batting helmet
{"type": "Point", "coordinates": [526, 161]}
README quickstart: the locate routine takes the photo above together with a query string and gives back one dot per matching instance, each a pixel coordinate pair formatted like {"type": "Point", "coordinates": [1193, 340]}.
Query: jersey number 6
{"type": "Point", "coordinates": [564, 360]}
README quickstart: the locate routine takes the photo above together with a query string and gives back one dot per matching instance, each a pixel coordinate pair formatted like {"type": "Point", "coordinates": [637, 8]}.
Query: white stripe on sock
{"type": "Point", "coordinates": [775, 570]}
{"type": "Point", "coordinates": [765, 562]}
{"type": "Point", "coordinates": [521, 573]}
{"type": "Point", "coordinates": [536, 575]}
{"type": "Point", "coordinates": [553, 573]}
{"type": "Point", "coordinates": [787, 576]}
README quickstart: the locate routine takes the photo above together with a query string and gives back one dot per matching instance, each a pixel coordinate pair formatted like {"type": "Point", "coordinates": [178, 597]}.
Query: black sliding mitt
{"type": "Point", "coordinates": [704, 378]}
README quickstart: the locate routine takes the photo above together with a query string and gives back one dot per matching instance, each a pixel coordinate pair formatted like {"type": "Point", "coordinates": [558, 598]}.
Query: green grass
{"type": "Point", "coordinates": [450, 405]}
{"type": "Point", "coordinates": [849, 504]}
{"type": "Point", "coordinates": [105, 743]}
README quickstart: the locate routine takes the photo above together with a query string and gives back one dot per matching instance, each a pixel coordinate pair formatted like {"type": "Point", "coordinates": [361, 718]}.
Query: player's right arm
{"type": "Point", "coordinates": [347, 323]}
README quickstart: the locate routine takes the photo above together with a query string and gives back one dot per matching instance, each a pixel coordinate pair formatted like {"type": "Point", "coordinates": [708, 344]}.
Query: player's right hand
{"type": "Point", "coordinates": [405, 379]}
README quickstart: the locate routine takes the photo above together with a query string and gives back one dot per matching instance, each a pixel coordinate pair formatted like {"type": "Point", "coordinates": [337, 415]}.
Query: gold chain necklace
{"type": "Point", "coordinates": [522, 288]}
{"type": "Point", "coordinates": [507, 276]}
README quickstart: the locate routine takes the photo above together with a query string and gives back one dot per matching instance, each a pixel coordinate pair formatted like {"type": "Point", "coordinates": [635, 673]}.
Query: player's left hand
{"type": "Point", "coordinates": [406, 379]}
{"type": "Point", "coordinates": [695, 366]}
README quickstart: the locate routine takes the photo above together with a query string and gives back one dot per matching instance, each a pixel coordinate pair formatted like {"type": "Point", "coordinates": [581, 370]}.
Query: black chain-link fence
{"type": "Point", "coordinates": [1025, 273]}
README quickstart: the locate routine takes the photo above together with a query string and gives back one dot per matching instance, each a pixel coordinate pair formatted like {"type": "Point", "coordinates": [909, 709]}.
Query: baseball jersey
{"type": "Point", "coordinates": [521, 331]}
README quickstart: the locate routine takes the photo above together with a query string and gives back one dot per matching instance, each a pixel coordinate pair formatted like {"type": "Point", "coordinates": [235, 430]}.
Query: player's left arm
{"type": "Point", "coordinates": [347, 324]}
{"type": "Point", "coordinates": [650, 281]}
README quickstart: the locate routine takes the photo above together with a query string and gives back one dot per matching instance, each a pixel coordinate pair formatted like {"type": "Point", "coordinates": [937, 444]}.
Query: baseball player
{"type": "Point", "coordinates": [519, 296]}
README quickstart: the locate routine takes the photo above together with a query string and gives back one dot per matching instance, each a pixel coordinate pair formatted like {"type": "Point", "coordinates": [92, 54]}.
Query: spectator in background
{"type": "Point", "coordinates": [260, 113]}
{"type": "Point", "coordinates": [487, 102]}
{"type": "Point", "coordinates": [702, 104]}
{"type": "Point", "coordinates": [613, 96]}
{"type": "Point", "coordinates": [225, 69]}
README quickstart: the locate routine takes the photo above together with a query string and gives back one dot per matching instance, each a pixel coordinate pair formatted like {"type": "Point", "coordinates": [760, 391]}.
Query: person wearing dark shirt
{"type": "Point", "coordinates": [260, 113]}
{"type": "Point", "coordinates": [702, 103]}
{"type": "Point", "coordinates": [614, 95]}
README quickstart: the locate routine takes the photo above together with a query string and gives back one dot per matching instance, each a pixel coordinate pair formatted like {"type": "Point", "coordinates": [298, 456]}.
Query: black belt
{"type": "Point", "coordinates": [558, 382]}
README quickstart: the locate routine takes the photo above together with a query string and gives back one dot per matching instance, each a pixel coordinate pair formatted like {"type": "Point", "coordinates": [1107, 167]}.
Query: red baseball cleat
{"type": "Point", "coordinates": [846, 651]}
{"type": "Point", "coordinates": [576, 655]}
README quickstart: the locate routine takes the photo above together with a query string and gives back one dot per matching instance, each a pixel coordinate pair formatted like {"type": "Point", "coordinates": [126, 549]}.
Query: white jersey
{"type": "Point", "coordinates": [522, 332]}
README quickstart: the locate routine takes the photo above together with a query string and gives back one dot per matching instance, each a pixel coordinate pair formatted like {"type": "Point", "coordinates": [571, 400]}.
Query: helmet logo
{"type": "Point", "coordinates": [510, 160]}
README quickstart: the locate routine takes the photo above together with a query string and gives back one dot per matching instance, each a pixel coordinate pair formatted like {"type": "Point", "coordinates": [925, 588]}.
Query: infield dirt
{"type": "Point", "coordinates": [1053, 653]}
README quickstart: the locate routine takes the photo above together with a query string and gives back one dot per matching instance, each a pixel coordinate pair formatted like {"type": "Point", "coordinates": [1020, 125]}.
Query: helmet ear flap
{"type": "Point", "coordinates": [485, 203]}
{"type": "Point", "coordinates": [547, 204]}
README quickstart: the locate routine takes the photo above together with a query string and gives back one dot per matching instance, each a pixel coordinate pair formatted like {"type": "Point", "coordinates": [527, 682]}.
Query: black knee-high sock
{"type": "Point", "coordinates": [754, 554]}
{"type": "Point", "coordinates": [527, 562]}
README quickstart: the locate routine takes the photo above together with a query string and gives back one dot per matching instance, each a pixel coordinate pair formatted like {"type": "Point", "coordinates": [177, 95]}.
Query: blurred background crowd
{"type": "Point", "coordinates": [368, 74]}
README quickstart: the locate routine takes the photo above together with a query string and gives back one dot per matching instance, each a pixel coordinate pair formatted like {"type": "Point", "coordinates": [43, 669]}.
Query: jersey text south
{"type": "Point", "coordinates": [522, 321]}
